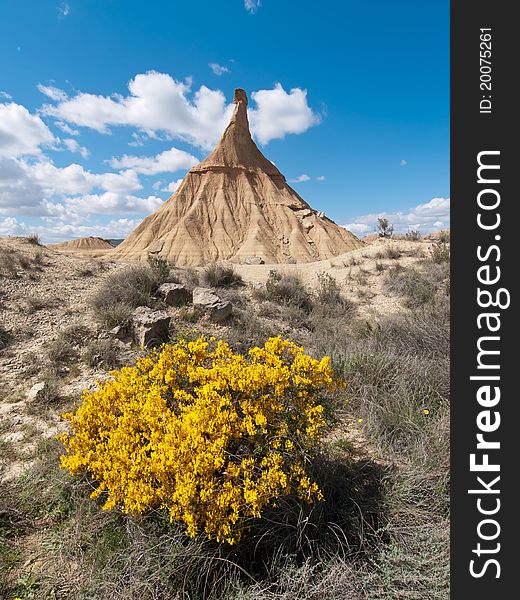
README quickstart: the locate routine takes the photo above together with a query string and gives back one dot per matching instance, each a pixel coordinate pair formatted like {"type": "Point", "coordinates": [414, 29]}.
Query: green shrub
{"type": "Point", "coordinates": [160, 267]}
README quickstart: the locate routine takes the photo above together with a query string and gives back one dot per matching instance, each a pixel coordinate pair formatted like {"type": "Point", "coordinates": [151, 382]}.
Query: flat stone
{"type": "Point", "coordinates": [254, 260]}
{"type": "Point", "coordinates": [35, 391]}
{"type": "Point", "coordinates": [174, 294]}
{"type": "Point", "coordinates": [217, 309]}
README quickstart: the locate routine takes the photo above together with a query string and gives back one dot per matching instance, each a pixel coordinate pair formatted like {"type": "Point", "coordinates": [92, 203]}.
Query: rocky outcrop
{"type": "Point", "coordinates": [85, 243]}
{"type": "Point", "coordinates": [210, 303]}
{"type": "Point", "coordinates": [174, 294]}
{"type": "Point", "coordinates": [150, 327]}
{"type": "Point", "coordinates": [234, 205]}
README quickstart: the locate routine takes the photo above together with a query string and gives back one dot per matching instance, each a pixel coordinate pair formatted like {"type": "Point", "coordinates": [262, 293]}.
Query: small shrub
{"type": "Point", "coordinates": [102, 353]}
{"type": "Point", "coordinates": [444, 236]}
{"type": "Point", "coordinates": [123, 291]}
{"type": "Point", "coordinates": [50, 394]}
{"type": "Point", "coordinates": [440, 252]}
{"type": "Point", "coordinates": [392, 253]}
{"type": "Point", "coordinates": [380, 267]}
{"type": "Point", "coordinates": [246, 329]}
{"type": "Point", "coordinates": [8, 264]}
{"type": "Point", "coordinates": [36, 303]}
{"type": "Point", "coordinates": [413, 235]}
{"type": "Point", "coordinates": [216, 275]}
{"type": "Point", "coordinates": [190, 314]}
{"type": "Point", "coordinates": [190, 277]}
{"type": "Point", "coordinates": [24, 262]}
{"type": "Point", "coordinates": [160, 266]}
{"type": "Point", "coordinates": [84, 272]}
{"type": "Point", "coordinates": [384, 227]}
{"type": "Point", "coordinates": [288, 289]}
{"type": "Point", "coordinates": [113, 315]}
{"type": "Point", "coordinates": [235, 433]}
{"type": "Point", "coordinates": [64, 349]}
{"type": "Point", "coordinates": [329, 297]}
{"type": "Point", "coordinates": [417, 287]}
{"type": "Point", "coordinates": [38, 258]}
{"type": "Point", "coordinates": [33, 239]}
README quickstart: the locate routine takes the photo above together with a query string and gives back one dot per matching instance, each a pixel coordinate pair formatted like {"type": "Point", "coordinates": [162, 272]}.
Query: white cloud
{"type": "Point", "coordinates": [22, 133]}
{"type": "Point", "coordinates": [278, 113]}
{"type": "Point", "coordinates": [40, 188]}
{"type": "Point", "coordinates": [5, 95]}
{"type": "Point", "coordinates": [52, 92]}
{"type": "Point", "coordinates": [65, 128]}
{"type": "Point", "coordinates": [321, 178]}
{"type": "Point", "coordinates": [168, 161]}
{"type": "Point", "coordinates": [171, 187]}
{"type": "Point", "coordinates": [403, 163]}
{"type": "Point", "coordinates": [74, 179]}
{"type": "Point", "coordinates": [300, 179]}
{"type": "Point", "coordinates": [63, 10]}
{"type": "Point", "coordinates": [218, 69]}
{"type": "Point", "coordinates": [426, 218]}
{"type": "Point", "coordinates": [73, 146]}
{"type": "Point", "coordinates": [252, 5]}
{"type": "Point", "coordinates": [109, 203]}
{"type": "Point", "coordinates": [159, 103]}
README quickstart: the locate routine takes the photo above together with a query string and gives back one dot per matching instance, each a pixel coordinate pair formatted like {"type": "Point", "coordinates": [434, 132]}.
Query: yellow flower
{"type": "Point", "coordinates": [211, 436]}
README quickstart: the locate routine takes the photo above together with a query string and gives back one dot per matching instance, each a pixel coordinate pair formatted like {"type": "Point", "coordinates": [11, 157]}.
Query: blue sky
{"type": "Point", "coordinates": [105, 104]}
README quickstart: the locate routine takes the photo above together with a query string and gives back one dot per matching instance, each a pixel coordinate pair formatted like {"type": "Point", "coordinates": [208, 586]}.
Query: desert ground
{"type": "Point", "coordinates": [381, 312]}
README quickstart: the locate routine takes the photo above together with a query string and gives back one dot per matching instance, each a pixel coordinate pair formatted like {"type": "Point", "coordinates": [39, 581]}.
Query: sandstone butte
{"type": "Point", "coordinates": [84, 243]}
{"type": "Point", "coordinates": [235, 205]}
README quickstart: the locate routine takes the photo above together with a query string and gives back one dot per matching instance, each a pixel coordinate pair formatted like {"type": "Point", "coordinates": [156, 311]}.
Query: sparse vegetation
{"type": "Point", "coordinates": [33, 239]}
{"type": "Point", "coordinates": [102, 354]}
{"type": "Point", "coordinates": [122, 291]}
{"type": "Point", "coordinates": [329, 298]}
{"type": "Point", "coordinates": [440, 252]}
{"type": "Point", "coordinates": [8, 263]}
{"type": "Point", "coordinates": [384, 227]}
{"type": "Point", "coordinates": [64, 349]}
{"type": "Point", "coordinates": [389, 252]}
{"type": "Point", "coordinates": [418, 287]}
{"type": "Point", "coordinates": [286, 289]}
{"type": "Point", "coordinates": [444, 236]}
{"type": "Point", "coordinates": [413, 235]}
{"type": "Point", "coordinates": [382, 531]}
{"type": "Point", "coordinates": [160, 267]}
{"type": "Point", "coordinates": [36, 303]}
{"type": "Point", "coordinates": [217, 275]}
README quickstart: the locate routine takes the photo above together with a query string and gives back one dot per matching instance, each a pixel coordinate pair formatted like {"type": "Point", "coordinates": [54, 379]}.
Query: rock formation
{"type": "Point", "coordinates": [84, 243]}
{"type": "Point", "coordinates": [236, 206]}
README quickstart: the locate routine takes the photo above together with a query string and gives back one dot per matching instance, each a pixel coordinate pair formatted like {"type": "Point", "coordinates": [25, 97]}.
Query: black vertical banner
{"type": "Point", "coordinates": [485, 258]}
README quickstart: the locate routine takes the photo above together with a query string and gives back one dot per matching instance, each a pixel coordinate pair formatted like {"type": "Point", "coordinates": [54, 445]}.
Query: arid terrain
{"type": "Point", "coordinates": [381, 312]}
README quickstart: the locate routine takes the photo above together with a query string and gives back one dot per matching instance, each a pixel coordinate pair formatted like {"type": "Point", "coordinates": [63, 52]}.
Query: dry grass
{"type": "Point", "coordinates": [102, 354]}
{"type": "Point", "coordinates": [216, 275]}
{"type": "Point", "coordinates": [382, 532]}
{"type": "Point", "coordinates": [122, 291]}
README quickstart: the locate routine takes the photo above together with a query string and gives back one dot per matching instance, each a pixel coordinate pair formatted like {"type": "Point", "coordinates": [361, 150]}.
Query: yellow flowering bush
{"type": "Point", "coordinates": [209, 435]}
